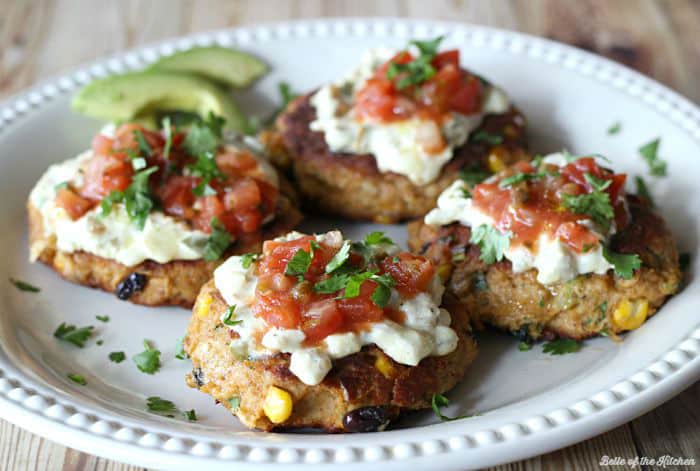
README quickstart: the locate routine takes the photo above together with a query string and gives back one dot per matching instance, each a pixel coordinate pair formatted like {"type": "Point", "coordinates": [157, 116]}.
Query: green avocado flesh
{"type": "Point", "coordinates": [141, 94]}
{"type": "Point", "coordinates": [223, 65]}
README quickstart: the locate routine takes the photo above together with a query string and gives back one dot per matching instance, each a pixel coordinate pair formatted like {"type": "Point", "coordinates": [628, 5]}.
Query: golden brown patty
{"type": "Point", "coordinates": [363, 391]}
{"type": "Point", "coordinates": [351, 185]}
{"type": "Point", "coordinates": [577, 309]}
{"type": "Point", "coordinates": [172, 283]}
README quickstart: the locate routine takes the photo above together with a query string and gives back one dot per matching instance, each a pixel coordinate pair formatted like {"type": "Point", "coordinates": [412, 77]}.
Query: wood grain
{"type": "Point", "coordinates": [660, 38]}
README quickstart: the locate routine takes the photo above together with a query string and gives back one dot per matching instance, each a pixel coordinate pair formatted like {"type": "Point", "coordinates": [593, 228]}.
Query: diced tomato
{"type": "Point", "coordinates": [125, 137]}
{"type": "Point", "coordinates": [411, 272]}
{"type": "Point", "coordinates": [74, 204]}
{"type": "Point", "coordinates": [278, 253]}
{"type": "Point", "coordinates": [269, 195]}
{"type": "Point", "coordinates": [102, 144]}
{"type": "Point", "coordinates": [467, 98]}
{"type": "Point", "coordinates": [210, 207]}
{"type": "Point", "coordinates": [576, 236]}
{"type": "Point", "coordinates": [376, 100]}
{"type": "Point", "coordinates": [177, 196]}
{"type": "Point", "coordinates": [361, 309]}
{"type": "Point", "coordinates": [236, 164]}
{"type": "Point", "coordinates": [446, 57]}
{"type": "Point", "coordinates": [244, 194]}
{"type": "Point", "coordinates": [106, 173]}
{"type": "Point", "coordinates": [277, 310]}
{"type": "Point", "coordinates": [321, 319]}
{"type": "Point", "coordinates": [248, 221]}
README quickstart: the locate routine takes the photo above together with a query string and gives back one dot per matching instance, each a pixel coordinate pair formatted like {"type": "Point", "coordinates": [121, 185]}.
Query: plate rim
{"type": "Point", "coordinates": [24, 404]}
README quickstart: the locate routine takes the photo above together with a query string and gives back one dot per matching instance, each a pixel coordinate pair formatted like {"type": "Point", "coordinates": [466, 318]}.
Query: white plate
{"type": "Point", "coordinates": [530, 403]}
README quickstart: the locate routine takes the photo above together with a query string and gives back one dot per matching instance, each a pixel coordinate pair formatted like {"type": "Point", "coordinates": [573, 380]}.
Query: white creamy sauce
{"type": "Point", "coordinates": [394, 145]}
{"type": "Point", "coordinates": [115, 237]}
{"type": "Point", "coordinates": [554, 261]}
{"type": "Point", "coordinates": [424, 333]}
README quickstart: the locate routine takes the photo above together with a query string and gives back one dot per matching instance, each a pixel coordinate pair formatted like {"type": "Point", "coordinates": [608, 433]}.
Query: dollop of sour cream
{"type": "Point", "coordinates": [554, 261]}
{"type": "Point", "coordinates": [425, 331]}
{"type": "Point", "coordinates": [395, 146]}
{"type": "Point", "coordinates": [115, 237]}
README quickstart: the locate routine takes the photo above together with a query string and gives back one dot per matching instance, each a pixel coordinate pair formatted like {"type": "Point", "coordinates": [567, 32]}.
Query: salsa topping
{"type": "Point", "coordinates": [429, 85]}
{"type": "Point", "coordinates": [526, 201]}
{"type": "Point", "coordinates": [325, 286]}
{"type": "Point", "coordinates": [187, 173]}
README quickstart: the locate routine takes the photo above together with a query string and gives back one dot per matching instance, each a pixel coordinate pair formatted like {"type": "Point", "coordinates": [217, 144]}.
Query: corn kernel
{"type": "Point", "coordinates": [495, 160]}
{"type": "Point", "coordinates": [444, 271]}
{"type": "Point", "coordinates": [203, 306]}
{"type": "Point", "coordinates": [629, 315]}
{"type": "Point", "coordinates": [384, 366]}
{"type": "Point", "coordinates": [278, 405]}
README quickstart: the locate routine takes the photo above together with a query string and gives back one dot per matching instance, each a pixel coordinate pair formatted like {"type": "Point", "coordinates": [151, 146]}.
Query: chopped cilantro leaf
{"type": "Point", "coordinates": [117, 357]}
{"type": "Point", "coordinates": [109, 201]}
{"type": "Point", "coordinates": [71, 334]}
{"type": "Point", "coordinates": [486, 137]}
{"type": "Point", "coordinates": [148, 361]}
{"type": "Point", "coordinates": [491, 243]}
{"type": "Point", "coordinates": [376, 238]}
{"type": "Point", "coordinates": [190, 415]}
{"type": "Point", "coordinates": [643, 190]}
{"type": "Point", "coordinates": [624, 264]}
{"type": "Point", "coordinates": [161, 406]}
{"type": "Point", "coordinates": [77, 379]}
{"type": "Point", "coordinates": [299, 264]}
{"type": "Point", "coordinates": [339, 258]}
{"type": "Point", "coordinates": [286, 93]}
{"type": "Point", "coordinates": [180, 353]}
{"type": "Point", "coordinates": [561, 346]}
{"type": "Point", "coordinates": [136, 198]}
{"type": "Point", "coordinates": [332, 284]}
{"type": "Point", "coordinates": [205, 167]}
{"type": "Point", "coordinates": [595, 204]}
{"type": "Point", "coordinates": [248, 258]}
{"type": "Point", "coordinates": [144, 148]}
{"type": "Point", "coordinates": [524, 346]}
{"type": "Point", "coordinates": [204, 136]}
{"type": "Point", "coordinates": [519, 178]}
{"type": "Point", "coordinates": [439, 401]}
{"type": "Point", "coordinates": [649, 152]}
{"type": "Point", "coordinates": [381, 295]}
{"type": "Point", "coordinates": [537, 160]}
{"type": "Point", "coordinates": [102, 318]}
{"type": "Point", "coordinates": [354, 282]}
{"type": "Point", "coordinates": [24, 286]}
{"type": "Point", "coordinates": [418, 70]}
{"type": "Point", "coordinates": [473, 175]}
{"type": "Point", "coordinates": [615, 128]}
{"type": "Point", "coordinates": [598, 184]}
{"type": "Point", "coordinates": [603, 308]}
{"type": "Point", "coordinates": [684, 261]}
{"type": "Point", "coordinates": [100, 342]}
{"type": "Point", "coordinates": [229, 317]}
{"type": "Point", "coordinates": [168, 132]}
{"type": "Point", "coordinates": [234, 402]}
{"type": "Point", "coordinates": [219, 240]}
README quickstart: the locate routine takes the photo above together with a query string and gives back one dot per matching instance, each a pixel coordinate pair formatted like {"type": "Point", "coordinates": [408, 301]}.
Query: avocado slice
{"type": "Point", "coordinates": [221, 64]}
{"type": "Point", "coordinates": [140, 94]}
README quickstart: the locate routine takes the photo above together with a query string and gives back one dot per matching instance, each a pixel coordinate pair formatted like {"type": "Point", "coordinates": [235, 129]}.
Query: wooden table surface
{"type": "Point", "coordinates": [39, 39]}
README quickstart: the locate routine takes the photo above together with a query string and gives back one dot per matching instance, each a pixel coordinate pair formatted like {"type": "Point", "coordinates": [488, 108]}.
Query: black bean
{"type": "Point", "coordinates": [198, 376]}
{"type": "Point", "coordinates": [366, 419]}
{"type": "Point", "coordinates": [131, 284]}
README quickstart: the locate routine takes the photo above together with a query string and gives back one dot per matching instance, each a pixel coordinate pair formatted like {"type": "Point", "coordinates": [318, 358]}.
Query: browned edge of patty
{"type": "Point", "coordinates": [175, 283]}
{"type": "Point", "coordinates": [354, 382]}
{"type": "Point", "coordinates": [352, 186]}
{"type": "Point", "coordinates": [577, 309]}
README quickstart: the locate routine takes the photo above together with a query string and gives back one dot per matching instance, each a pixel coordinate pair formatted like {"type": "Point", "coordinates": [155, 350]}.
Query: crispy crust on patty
{"type": "Point", "coordinates": [352, 186]}
{"type": "Point", "coordinates": [354, 382]}
{"type": "Point", "coordinates": [577, 309]}
{"type": "Point", "coordinates": [175, 283]}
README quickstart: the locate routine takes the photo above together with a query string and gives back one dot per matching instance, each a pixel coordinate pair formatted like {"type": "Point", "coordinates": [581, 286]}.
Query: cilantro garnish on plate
{"type": "Point", "coordinates": [418, 70]}
{"type": "Point", "coordinates": [190, 415]}
{"type": "Point", "coordinates": [650, 153]}
{"type": "Point", "coordinates": [439, 401]}
{"type": "Point", "coordinates": [561, 347]}
{"type": "Point", "coordinates": [643, 190]}
{"type": "Point", "coordinates": [148, 361]}
{"type": "Point", "coordinates": [615, 128]}
{"type": "Point", "coordinates": [102, 318]}
{"type": "Point", "coordinates": [72, 334]}
{"type": "Point", "coordinates": [117, 357]}
{"type": "Point", "coordinates": [76, 378]}
{"type": "Point", "coordinates": [24, 286]}
{"type": "Point", "coordinates": [595, 204]}
{"type": "Point", "coordinates": [161, 406]}
{"type": "Point", "coordinates": [180, 353]}
{"type": "Point", "coordinates": [491, 242]}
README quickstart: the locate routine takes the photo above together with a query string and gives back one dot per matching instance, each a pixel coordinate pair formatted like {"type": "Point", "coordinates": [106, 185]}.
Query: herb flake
{"type": "Point", "coordinates": [624, 264]}
{"type": "Point", "coordinates": [561, 347]}
{"type": "Point", "coordinates": [650, 153]}
{"type": "Point", "coordinates": [491, 242]}
{"type": "Point", "coordinates": [439, 401]}
{"type": "Point", "coordinates": [117, 357]}
{"type": "Point", "coordinates": [219, 240]}
{"type": "Point", "coordinates": [72, 334]}
{"type": "Point", "coordinates": [24, 286]}
{"type": "Point", "coordinates": [76, 378]}
{"type": "Point", "coordinates": [148, 361]}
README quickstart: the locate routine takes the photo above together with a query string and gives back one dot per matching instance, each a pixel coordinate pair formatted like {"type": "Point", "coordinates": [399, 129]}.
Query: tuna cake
{"type": "Point", "coordinates": [148, 215]}
{"type": "Point", "coordinates": [552, 248]}
{"type": "Point", "coordinates": [322, 332]}
{"type": "Point", "coordinates": [383, 142]}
